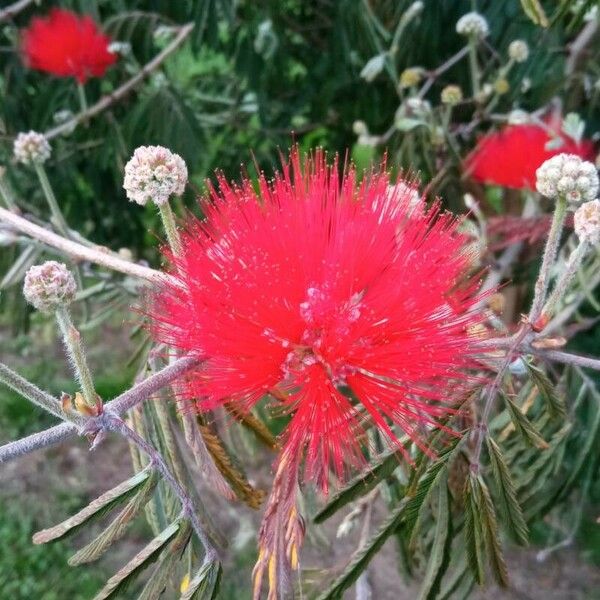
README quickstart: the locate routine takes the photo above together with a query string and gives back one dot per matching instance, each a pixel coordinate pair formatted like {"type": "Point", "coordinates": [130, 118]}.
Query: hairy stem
{"type": "Point", "coordinates": [96, 254]}
{"type": "Point", "coordinates": [168, 220]}
{"type": "Point", "coordinates": [127, 400]}
{"type": "Point", "coordinates": [550, 251]}
{"type": "Point", "coordinates": [74, 346]}
{"type": "Point", "coordinates": [57, 217]}
{"type": "Point", "coordinates": [115, 423]}
{"type": "Point", "coordinates": [565, 279]}
{"type": "Point", "coordinates": [33, 393]}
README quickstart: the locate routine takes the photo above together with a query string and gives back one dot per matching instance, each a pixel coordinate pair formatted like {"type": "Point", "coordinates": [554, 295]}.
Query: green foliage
{"type": "Point", "coordinates": [28, 571]}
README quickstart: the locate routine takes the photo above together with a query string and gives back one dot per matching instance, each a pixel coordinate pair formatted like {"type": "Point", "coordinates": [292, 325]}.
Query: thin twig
{"type": "Point", "coordinates": [112, 422]}
{"type": "Point", "coordinates": [98, 255]}
{"type": "Point", "coordinates": [13, 9]}
{"type": "Point", "coordinates": [568, 358]}
{"type": "Point", "coordinates": [127, 400]}
{"type": "Point", "coordinates": [123, 90]}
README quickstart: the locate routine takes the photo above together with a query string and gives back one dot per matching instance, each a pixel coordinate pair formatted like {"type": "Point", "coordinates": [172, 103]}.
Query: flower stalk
{"type": "Point", "coordinates": [170, 227]}
{"type": "Point", "coordinates": [74, 346]}
{"type": "Point", "coordinates": [57, 217]}
{"type": "Point", "coordinates": [566, 277]}
{"type": "Point", "coordinates": [550, 251]}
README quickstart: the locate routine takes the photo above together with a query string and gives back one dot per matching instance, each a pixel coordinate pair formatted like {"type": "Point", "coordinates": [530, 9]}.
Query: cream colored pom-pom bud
{"type": "Point", "coordinates": [518, 50]}
{"type": "Point", "coordinates": [154, 174]}
{"type": "Point", "coordinates": [587, 222]}
{"type": "Point", "coordinates": [451, 95]}
{"type": "Point", "coordinates": [567, 175]}
{"type": "Point", "coordinates": [472, 24]}
{"type": "Point", "coordinates": [49, 286]}
{"type": "Point", "coordinates": [31, 147]}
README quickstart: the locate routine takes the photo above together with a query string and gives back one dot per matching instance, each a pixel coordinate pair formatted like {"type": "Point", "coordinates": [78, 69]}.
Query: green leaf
{"type": "Point", "coordinates": [491, 534]}
{"type": "Point", "coordinates": [205, 584]}
{"type": "Point", "coordinates": [523, 425]}
{"type": "Point", "coordinates": [433, 475]}
{"type": "Point", "coordinates": [588, 449]}
{"type": "Point", "coordinates": [364, 554]}
{"type": "Point", "coordinates": [95, 509]}
{"type": "Point", "coordinates": [473, 529]}
{"type": "Point", "coordinates": [164, 571]}
{"type": "Point", "coordinates": [118, 526]}
{"type": "Point", "coordinates": [509, 505]}
{"type": "Point", "coordinates": [438, 559]}
{"type": "Point", "coordinates": [360, 485]}
{"type": "Point", "coordinates": [534, 10]}
{"type": "Point", "coordinates": [118, 583]}
{"type": "Point", "coordinates": [547, 390]}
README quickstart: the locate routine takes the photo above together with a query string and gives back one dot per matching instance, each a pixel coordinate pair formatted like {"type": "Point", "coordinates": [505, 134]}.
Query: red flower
{"type": "Point", "coordinates": [66, 45]}
{"type": "Point", "coordinates": [344, 301]}
{"type": "Point", "coordinates": [510, 157]}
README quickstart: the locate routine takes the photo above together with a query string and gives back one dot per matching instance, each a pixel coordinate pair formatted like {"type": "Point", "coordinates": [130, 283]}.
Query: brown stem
{"type": "Point", "coordinates": [123, 90]}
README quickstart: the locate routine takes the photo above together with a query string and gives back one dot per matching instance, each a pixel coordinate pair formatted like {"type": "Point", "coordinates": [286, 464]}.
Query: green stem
{"type": "Point", "coordinates": [72, 340]}
{"type": "Point", "coordinates": [474, 65]}
{"type": "Point", "coordinates": [566, 278]}
{"type": "Point", "coordinates": [550, 251]}
{"type": "Point", "coordinates": [168, 220]}
{"type": "Point", "coordinates": [6, 193]}
{"type": "Point", "coordinates": [82, 99]}
{"type": "Point", "coordinates": [57, 217]}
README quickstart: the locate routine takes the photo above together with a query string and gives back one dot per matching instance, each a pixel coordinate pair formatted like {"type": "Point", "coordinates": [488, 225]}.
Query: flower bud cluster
{"type": "Point", "coordinates": [154, 174]}
{"type": "Point", "coordinates": [451, 95]}
{"type": "Point", "coordinates": [587, 222]}
{"type": "Point", "coordinates": [472, 24]}
{"type": "Point", "coordinates": [518, 50]}
{"type": "Point", "coordinates": [567, 175]}
{"type": "Point", "coordinates": [31, 147]}
{"type": "Point", "coordinates": [49, 286]}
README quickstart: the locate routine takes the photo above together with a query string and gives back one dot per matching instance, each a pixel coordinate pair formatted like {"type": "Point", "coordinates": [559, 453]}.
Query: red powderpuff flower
{"type": "Point", "coordinates": [510, 157]}
{"type": "Point", "coordinates": [349, 303]}
{"type": "Point", "coordinates": [66, 45]}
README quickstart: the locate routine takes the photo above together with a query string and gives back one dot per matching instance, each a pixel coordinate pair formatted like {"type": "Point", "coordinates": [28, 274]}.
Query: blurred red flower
{"type": "Point", "coordinates": [67, 45]}
{"type": "Point", "coordinates": [349, 303]}
{"type": "Point", "coordinates": [510, 157]}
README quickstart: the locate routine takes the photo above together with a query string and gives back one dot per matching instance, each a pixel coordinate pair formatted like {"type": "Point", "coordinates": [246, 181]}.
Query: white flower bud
{"type": "Point", "coordinates": [587, 222]}
{"type": "Point", "coordinates": [451, 94]}
{"type": "Point", "coordinates": [31, 147]}
{"type": "Point", "coordinates": [567, 175]}
{"type": "Point", "coordinates": [518, 50]}
{"type": "Point", "coordinates": [49, 286]}
{"type": "Point", "coordinates": [154, 174]}
{"type": "Point", "coordinates": [360, 128]}
{"type": "Point", "coordinates": [472, 24]}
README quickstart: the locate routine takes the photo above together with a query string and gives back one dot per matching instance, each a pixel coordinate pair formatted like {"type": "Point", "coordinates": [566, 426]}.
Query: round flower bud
{"type": "Point", "coordinates": [569, 176]}
{"type": "Point", "coordinates": [451, 94]}
{"type": "Point", "coordinates": [360, 128]}
{"type": "Point", "coordinates": [49, 286]}
{"type": "Point", "coordinates": [587, 222]}
{"type": "Point", "coordinates": [518, 50]}
{"type": "Point", "coordinates": [410, 77]}
{"type": "Point", "coordinates": [31, 147]}
{"type": "Point", "coordinates": [501, 86]}
{"type": "Point", "coordinates": [472, 24]}
{"type": "Point", "coordinates": [154, 174]}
